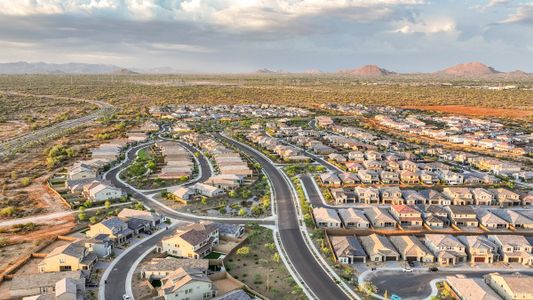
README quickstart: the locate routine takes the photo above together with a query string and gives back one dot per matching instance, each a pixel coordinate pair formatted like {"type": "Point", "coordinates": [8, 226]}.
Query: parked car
{"type": "Point", "coordinates": [408, 270]}
{"type": "Point", "coordinates": [125, 297]}
{"type": "Point", "coordinates": [433, 269]}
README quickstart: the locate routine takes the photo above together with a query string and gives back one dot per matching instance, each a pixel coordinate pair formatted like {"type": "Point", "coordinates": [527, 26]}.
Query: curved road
{"type": "Point", "coordinates": [14, 144]}
{"type": "Point", "coordinates": [118, 275]}
{"type": "Point", "coordinates": [289, 229]}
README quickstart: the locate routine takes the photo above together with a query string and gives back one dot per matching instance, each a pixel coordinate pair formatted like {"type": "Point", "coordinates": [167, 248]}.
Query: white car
{"type": "Point", "coordinates": [408, 270]}
{"type": "Point", "coordinates": [125, 297]}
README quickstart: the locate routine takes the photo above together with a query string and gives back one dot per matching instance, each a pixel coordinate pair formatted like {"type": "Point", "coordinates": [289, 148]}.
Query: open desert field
{"type": "Point", "coordinates": [476, 111]}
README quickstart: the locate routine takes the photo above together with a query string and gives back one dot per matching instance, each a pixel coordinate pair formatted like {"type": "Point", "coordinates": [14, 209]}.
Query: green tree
{"type": "Point", "coordinates": [82, 216]}
{"type": "Point", "coordinates": [107, 204]}
{"type": "Point", "coordinates": [93, 220]}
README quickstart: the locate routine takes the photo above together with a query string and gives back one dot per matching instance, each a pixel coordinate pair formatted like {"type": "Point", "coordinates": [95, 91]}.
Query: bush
{"type": "Point", "coordinates": [25, 181]}
{"type": "Point", "coordinates": [244, 251]}
{"type": "Point", "coordinates": [8, 211]}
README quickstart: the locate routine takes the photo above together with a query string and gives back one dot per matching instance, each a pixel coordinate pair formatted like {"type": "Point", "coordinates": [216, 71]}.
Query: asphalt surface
{"type": "Point", "coordinates": [291, 237]}
{"type": "Point", "coordinates": [415, 285]}
{"type": "Point", "coordinates": [206, 173]}
{"type": "Point", "coordinates": [312, 193]}
{"type": "Point", "coordinates": [14, 144]}
{"type": "Point", "coordinates": [116, 281]}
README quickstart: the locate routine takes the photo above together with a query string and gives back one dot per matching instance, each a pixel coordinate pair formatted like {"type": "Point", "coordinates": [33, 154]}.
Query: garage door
{"type": "Point", "coordinates": [390, 258]}
{"type": "Point", "coordinates": [359, 259]}
{"type": "Point", "coordinates": [479, 259]}
{"type": "Point", "coordinates": [513, 259]}
{"type": "Point", "coordinates": [411, 258]}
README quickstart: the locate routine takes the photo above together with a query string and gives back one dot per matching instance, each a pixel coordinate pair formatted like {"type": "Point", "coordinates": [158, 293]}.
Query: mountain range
{"type": "Point", "coordinates": [471, 69]}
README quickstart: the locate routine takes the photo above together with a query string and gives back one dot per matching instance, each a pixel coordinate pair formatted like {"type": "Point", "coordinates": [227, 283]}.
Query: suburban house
{"type": "Point", "coordinates": [70, 257]}
{"type": "Point", "coordinates": [158, 268]}
{"type": "Point", "coordinates": [117, 230]}
{"type": "Point", "coordinates": [471, 288]}
{"type": "Point", "coordinates": [353, 218]}
{"type": "Point", "coordinates": [412, 249]}
{"type": "Point", "coordinates": [192, 241]}
{"type": "Point", "coordinates": [434, 197]}
{"type": "Point", "coordinates": [409, 177]}
{"type": "Point", "coordinates": [100, 245]}
{"type": "Point", "coordinates": [479, 248]}
{"type": "Point", "coordinates": [367, 195]}
{"type": "Point", "coordinates": [459, 196]}
{"type": "Point", "coordinates": [45, 284]}
{"type": "Point", "coordinates": [412, 197]}
{"type": "Point", "coordinates": [368, 176]}
{"type": "Point", "coordinates": [490, 220]}
{"type": "Point", "coordinates": [447, 249]}
{"type": "Point", "coordinates": [391, 195]}
{"type": "Point", "coordinates": [511, 286]}
{"type": "Point", "coordinates": [149, 219]}
{"type": "Point", "coordinates": [348, 178]}
{"type": "Point", "coordinates": [513, 248]}
{"type": "Point", "coordinates": [379, 248]}
{"type": "Point", "coordinates": [326, 217]}
{"type": "Point", "coordinates": [505, 198]}
{"type": "Point", "coordinates": [379, 217]}
{"type": "Point", "coordinates": [435, 216]}
{"type": "Point", "coordinates": [187, 283]}
{"type": "Point", "coordinates": [462, 216]}
{"type": "Point", "coordinates": [482, 196]}
{"type": "Point", "coordinates": [342, 195]}
{"type": "Point", "coordinates": [330, 178]}
{"type": "Point", "coordinates": [99, 191]}
{"type": "Point", "coordinates": [514, 219]}
{"type": "Point", "coordinates": [83, 170]}
{"type": "Point", "coordinates": [232, 231]}
{"type": "Point", "coordinates": [347, 249]}
{"type": "Point", "coordinates": [407, 216]}
{"type": "Point", "coordinates": [387, 177]}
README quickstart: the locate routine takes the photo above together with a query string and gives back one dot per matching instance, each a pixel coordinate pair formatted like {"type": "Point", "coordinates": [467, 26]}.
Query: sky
{"type": "Point", "coordinates": [292, 35]}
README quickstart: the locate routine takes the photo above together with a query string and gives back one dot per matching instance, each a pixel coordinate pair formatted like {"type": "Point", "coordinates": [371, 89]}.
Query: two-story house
{"type": "Point", "coordinates": [192, 241]}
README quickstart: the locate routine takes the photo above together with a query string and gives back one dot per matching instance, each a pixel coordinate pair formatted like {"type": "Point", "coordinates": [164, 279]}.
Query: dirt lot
{"type": "Point", "coordinates": [477, 111]}
{"type": "Point", "coordinates": [12, 129]}
{"type": "Point", "coordinates": [260, 271]}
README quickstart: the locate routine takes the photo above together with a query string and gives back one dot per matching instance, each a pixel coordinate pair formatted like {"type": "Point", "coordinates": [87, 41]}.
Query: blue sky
{"type": "Point", "coordinates": [293, 35]}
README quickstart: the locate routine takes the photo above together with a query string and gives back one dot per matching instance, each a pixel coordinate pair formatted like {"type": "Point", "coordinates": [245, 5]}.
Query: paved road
{"type": "Point", "coordinates": [291, 237]}
{"type": "Point", "coordinates": [312, 193]}
{"type": "Point", "coordinates": [16, 143]}
{"type": "Point", "coordinates": [206, 173]}
{"type": "Point", "coordinates": [116, 281]}
{"type": "Point", "coordinates": [414, 285]}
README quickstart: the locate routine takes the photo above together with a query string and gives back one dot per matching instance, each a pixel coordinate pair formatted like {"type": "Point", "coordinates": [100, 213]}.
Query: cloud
{"type": "Point", "coordinates": [429, 25]}
{"type": "Point", "coordinates": [523, 14]}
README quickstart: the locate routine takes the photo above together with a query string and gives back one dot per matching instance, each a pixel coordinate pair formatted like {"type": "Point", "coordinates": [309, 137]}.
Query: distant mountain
{"type": "Point", "coordinates": [469, 69]}
{"type": "Point", "coordinates": [368, 70]}
{"type": "Point", "coordinates": [518, 73]}
{"type": "Point", "coordinates": [23, 67]}
{"type": "Point", "coordinates": [125, 72]}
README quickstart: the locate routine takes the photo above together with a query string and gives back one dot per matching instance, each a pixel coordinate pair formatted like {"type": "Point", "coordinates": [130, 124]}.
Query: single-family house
{"type": "Point", "coordinates": [479, 248]}
{"type": "Point", "coordinates": [463, 216]}
{"type": "Point", "coordinates": [391, 195]}
{"type": "Point", "coordinates": [505, 198]}
{"type": "Point", "coordinates": [326, 217]}
{"type": "Point", "coordinates": [192, 241]}
{"type": "Point", "coordinates": [187, 283]}
{"type": "Point", "coordinates": [511, 286]}
{"type": "Point", "coordinates": [407, 215]}
{"type": "Point", "coordinates": [412, 249]}
{"type": "Point", "coordinates": [490, 220]}
{"type": "Point", "coordinates": [368, 195]}
{"type": "Point", "coordinates": [347, 249]}
{"type": "Point", "coordinates": [447, 249]}
{"type": "Point", "coordinates": [353, 218]}
{"type": "Point", "coordinates": [380, 217]}
{"type": "Point", "coordinates": [379, 248]}
{"type": "Point", "coordinates": [513, 248]}
{"type": "Point", "coordinates": [70, 257]}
